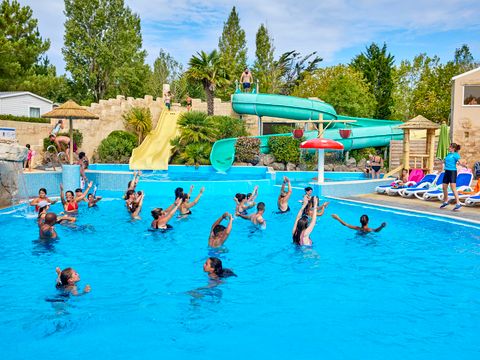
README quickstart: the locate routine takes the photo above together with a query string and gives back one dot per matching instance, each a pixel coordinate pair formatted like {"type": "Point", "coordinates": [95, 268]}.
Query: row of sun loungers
{"type": "Point", "coordinates": [430, 188]}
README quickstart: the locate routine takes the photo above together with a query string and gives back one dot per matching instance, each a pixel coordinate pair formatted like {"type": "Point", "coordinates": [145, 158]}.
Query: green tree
{"type": "Point", "coordinates": [376, 65]}
{"type": "Point", "coordinates": [185, 86]}
{"type": "Point", "coordinates": [102, 49]}
{"type": "Point", "coordinates": [263, 67]}
{"type": "Point", "coordinates": [291, 69]}
{"type": "Point", "coordinates": [207, 69]}
{"type": "Point", "coordinates": [463, 59]}
{"type": "Point", "coordinates": [341, 86]}
{"type": "Point", "coordinates": [233, 53]}
{"type": "Point", "coordinates": [166, 70]}
{"type": "Point", "coordinates": [139, 120]}
{"type": "Point", "coordinates": [196, 154]}
{"type": "Point", "coordinates": [21, 45]}
{"type": "Point", "coordinates": [228, 127]}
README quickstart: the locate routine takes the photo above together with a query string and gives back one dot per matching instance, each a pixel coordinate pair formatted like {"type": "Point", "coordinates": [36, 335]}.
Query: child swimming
{"type": "Point", "coordinates": [302, 228]}
{"type": "Point", "coordinates": [67, 279]}
{"type": "Point", "coordinates": [213, 266]}
{"type": "Point", "coordinates": [363, 222]}
{"type": "Point", "coordinates": [218, 232]}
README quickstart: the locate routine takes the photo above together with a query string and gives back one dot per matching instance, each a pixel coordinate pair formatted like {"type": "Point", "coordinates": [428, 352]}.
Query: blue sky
{"type": "Point", "coordinates": [337, 30]}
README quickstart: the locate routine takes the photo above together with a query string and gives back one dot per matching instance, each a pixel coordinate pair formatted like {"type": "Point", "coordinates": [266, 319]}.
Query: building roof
{"type": "Point", "coordinates": [7, 94]}
{"type": "Point", "coordinates": [466, 73]}
{"type": "Point", "coordinates": [419, 122]}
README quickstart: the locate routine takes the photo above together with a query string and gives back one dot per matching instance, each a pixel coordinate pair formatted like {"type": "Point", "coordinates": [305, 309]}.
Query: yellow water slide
{"type": "Point", "coordinates": [154, 151]}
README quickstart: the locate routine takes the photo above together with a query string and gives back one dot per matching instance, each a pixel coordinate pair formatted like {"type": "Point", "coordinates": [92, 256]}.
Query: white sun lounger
{"type": "Point", "coordinates": [464, 181]}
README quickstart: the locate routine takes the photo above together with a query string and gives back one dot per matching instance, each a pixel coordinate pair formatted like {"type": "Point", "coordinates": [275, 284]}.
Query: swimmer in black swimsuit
{"type": "Point", "coordinates": [134, 203]}
{"type": "Point", "coordinates": [161, 217]}
{"type": "Point", "coordinates": [284, 196]}
{"type": "Point", "coordinates": [363, 222]}
{"type": "Point", "coordinates": [242, 205]}
{"type": "Point", "coordinates": [186, 205]}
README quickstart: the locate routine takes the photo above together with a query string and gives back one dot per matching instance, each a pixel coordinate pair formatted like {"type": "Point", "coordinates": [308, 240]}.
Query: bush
{"type": "Point", "coordinates": [77, 139]}
{"type": "Point", "coordinates": [117, 147]}
{"type": "Point", "coordinates": [285, 149]}
{"type": "Point", "coordinates": [228, 127]}
{"type": "Point", "coordinates": [24, 119]}
{"type": "Point", "coordinates": [247, 149]}
{"type": "Point", "coordinates": [362, 153]}
{"type": "Point", "coordinates": [282, 129]}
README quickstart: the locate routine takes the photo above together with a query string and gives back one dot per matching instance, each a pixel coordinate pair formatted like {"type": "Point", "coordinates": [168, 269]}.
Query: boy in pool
{"type": "Point", "coordinates": [282, 202]}
{"type": "Point", "coordinates": [47, 230]}
{"type": "Point", "coordinates": [67, 279]}
{"type": "Point", "coordinates": [363, 222]}
{"type": "Point", "coordinates": [257, 218]}
{"type": "Point", "coordinates": [218, 232]}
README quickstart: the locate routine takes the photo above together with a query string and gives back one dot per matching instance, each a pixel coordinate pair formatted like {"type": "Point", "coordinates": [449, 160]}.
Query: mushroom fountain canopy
{"type": "Point", "coordinates": [321, 143]}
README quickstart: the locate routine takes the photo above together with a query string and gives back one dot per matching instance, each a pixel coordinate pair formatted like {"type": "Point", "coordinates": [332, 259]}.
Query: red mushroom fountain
{"type": "Point", "coordinates": [321, 144]}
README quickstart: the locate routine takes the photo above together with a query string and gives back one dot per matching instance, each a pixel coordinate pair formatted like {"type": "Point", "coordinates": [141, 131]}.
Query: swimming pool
{"type": "Point", "coordinates": [408, 292]}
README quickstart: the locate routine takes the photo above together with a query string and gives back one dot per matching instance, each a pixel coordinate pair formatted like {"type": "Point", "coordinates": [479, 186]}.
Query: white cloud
{"type": "Point", "coordinates": [184, 27]}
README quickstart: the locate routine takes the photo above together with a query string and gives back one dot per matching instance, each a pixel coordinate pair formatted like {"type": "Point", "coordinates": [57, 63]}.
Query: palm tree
{"type": "Point", "coordinates": [138, 119]}
{"type": "Point", "coordinates": [207, 69]}
{"type": "Point", "coordinates": [196, 154]}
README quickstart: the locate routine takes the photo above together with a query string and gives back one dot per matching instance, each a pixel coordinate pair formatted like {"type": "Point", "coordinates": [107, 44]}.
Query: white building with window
{"type": "Point", "coordinates": [23, 103]}
{"type": "Point", "coordinates": [465, 114]}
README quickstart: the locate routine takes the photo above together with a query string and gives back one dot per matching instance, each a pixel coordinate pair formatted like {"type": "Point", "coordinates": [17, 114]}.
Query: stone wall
{"type": "Point", "coordinates": [110, 118]}
{"type": "Point", "coordinates": [12, 156]}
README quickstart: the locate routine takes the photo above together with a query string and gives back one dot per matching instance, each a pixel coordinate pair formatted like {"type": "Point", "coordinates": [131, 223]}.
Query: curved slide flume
{"type": "Point", "coordinates": [154, 152]}
{"type": "Point", "coordinates": [365, 132]}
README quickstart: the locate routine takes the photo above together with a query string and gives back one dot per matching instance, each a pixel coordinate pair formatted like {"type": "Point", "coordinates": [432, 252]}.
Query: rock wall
{"type": "Point", "coordinates": [12, 156]}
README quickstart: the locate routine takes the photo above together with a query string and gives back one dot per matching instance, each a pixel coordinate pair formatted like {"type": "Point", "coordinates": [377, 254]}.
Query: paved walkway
{"type": "Point", "coordinates": [466, 213]}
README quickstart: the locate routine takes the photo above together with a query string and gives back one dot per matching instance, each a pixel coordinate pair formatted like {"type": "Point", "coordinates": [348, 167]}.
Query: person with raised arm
{"type": "Point", "coordinates": [363, 224]}
{"type": "Point", "coordinates": [186, 205]}
{"type": "Point", "coordinates": [220, 233]}
{"type": "Point", "coordinates": [302, 228]}
{"type": "Point", "coordinates": [257, 218]}
{"type": "Point", "coordinates": [282, 202]}
{"type": "Point", "coordinates": [161, 217]}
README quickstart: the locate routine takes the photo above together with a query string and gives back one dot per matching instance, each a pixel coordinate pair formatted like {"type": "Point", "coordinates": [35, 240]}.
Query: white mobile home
{"type": "Point", "coordinates": [23, 103]}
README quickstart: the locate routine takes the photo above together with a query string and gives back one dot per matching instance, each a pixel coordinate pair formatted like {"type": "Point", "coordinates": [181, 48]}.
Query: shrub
{"type": "Point", "coordinates": [247, 149]}
{"type": "Point", "coordinates": [282, 129]}
{"type": "Point", "coordinates": [228, 127]}
{"type": "Point", "coordinates": [77, 139]}
{"type": "Point", "coordinates": [117, 147]}
{"type": "Point", "coordinates": [24, 119]}
{"type": "Point", "coordinates": [285, 149]}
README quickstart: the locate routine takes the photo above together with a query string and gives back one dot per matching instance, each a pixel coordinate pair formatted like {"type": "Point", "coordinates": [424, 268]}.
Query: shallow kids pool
{"type": "Point", "coordinates": [411, 291]}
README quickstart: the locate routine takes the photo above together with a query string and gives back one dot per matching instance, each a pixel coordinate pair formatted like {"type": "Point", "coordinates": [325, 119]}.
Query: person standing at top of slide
{"type": "Point", "coordinates": [246, 80]}
{"type": "Point", "coordinates": [168, 98]}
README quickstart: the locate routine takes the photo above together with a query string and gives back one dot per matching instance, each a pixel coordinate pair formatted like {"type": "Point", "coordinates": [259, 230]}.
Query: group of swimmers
{"type": "Point", "coordinates": [303, 226]}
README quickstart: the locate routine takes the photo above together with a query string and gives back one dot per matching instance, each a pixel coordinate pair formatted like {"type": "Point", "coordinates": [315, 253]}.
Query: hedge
{"type": "Point", "coordinates": [285, 149]}
{"type": "Point", "coordinates": [117, 147]}
{"type": "Point", "coordinates": [24, 119]}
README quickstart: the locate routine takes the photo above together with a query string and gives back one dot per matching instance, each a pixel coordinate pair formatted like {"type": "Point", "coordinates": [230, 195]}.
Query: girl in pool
{"type": "Point", "coordinates": [93, 200]}
{"type": "Point", "coordinates": [161, 217]}
{"type": "Point", "coordinates": [308, 211]}
{"type": "Point", "coordinates": [218, 232]}
{"type": "Point", "coordinates": [67, 280]}
{"type": "Point", "coordinates": [132, 184]}
{"type": "Point", "coordinates": [42, 196]}
{"type": "Point", "coordinates": [363, 222]}
{"type": "Point", "coordinates": [186, 205]}
{"type": "Point", "coordinates": [242, 205]}
{"type": "Point", "coordinates": [282, 201]}
{"type": "Point", "coordinates": [213, 266]}
{"type": "Point", "coordinates": [302, 229]}
{"type": "Point", "coordinates": [69, 201]}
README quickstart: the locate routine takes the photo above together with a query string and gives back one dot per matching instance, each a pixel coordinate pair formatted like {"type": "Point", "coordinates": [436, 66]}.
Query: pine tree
{"type": "Point", "coordinates": [377, 68]}
{"type": "Point", "coordinates": [264, 62]}
{"type": "Point", "coordinates": [233, 52]}
{"type": "Point", "coordinates": [102, 49]}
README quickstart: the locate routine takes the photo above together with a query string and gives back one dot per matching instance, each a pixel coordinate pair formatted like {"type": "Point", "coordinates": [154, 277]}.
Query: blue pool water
{"type": "Point", "coordinates": [411, 291]}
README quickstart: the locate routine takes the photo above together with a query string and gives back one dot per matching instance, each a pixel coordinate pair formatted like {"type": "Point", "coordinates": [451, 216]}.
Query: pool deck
{"type": "Point", "coordinates": [470, 214]}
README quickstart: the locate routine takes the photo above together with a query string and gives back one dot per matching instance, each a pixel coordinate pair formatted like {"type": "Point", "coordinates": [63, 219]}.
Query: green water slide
{"type": "Point", "coordinates": [364, 132]}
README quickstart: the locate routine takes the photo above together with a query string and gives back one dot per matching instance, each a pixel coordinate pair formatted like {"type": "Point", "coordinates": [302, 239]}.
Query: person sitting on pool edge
{"type": "Point", "coordinates": [213, 266]}
{"type": "Point", "coordinates": [186, 205]}
{"type": "Point", "coordinates": [363, 222]}
{"type": "Point", "coordinates": [67, 279]}
{"type": "Point", "coordinates": [161, 217]}
{"type": "Point", "coordinates": [301, 228]}
{"type": "Point", "coordinates": [47, 229]}
{"type": "Point", "coordinates": [282, 202]}
{"type": "Point", "coordinates": [257, 218]}
{"type": "Point", "coordinates": [220, 233]}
